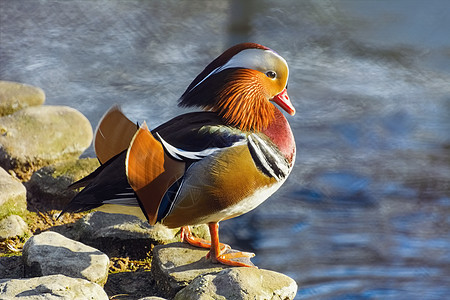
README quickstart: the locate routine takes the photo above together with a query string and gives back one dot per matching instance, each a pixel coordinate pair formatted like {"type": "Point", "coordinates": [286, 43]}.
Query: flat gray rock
{"type": "Point", "coordinates": [53, 287]}
{"type": "Point", "coordinates": [12, 195]}
{"type": "Point", "coordinates": [51, 253]}
{"type": "Point", "coordinates": [240, 283]}
{"type": "Point", "coordinates": [12, 226]}
{"type": "Point", "coordinates": [15, 96]}
{"type": "Point", "coordinates": [118, 235]}
{"type": "Point", "coordinates": [175, 265]}
{"type": "Point", "coordinates": [123, 235]}
{"type": "Point", "coordinates": [41, 135]}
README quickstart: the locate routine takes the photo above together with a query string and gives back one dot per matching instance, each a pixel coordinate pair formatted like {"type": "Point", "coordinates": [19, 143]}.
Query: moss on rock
{"type": "Point", "coordinates": [48, 189]}
{"type": "Point", "coordinates": [15, 96]}
{"type": "Point", "coordinates": [39, 136]}
{"type": "Point", "coordinates": [12, 196]}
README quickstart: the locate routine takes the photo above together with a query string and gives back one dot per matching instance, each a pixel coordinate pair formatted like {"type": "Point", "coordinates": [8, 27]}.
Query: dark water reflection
{"type": "Point", "coordinates": [366, 212]}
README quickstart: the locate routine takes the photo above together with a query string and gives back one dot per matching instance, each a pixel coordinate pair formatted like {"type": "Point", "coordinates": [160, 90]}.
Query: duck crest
{"type": "Point", "coordinates": [220, 61]}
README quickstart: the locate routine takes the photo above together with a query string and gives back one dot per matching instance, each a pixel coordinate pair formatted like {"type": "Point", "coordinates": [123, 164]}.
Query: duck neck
{"type": "Point", "coordinates": [280, 134]}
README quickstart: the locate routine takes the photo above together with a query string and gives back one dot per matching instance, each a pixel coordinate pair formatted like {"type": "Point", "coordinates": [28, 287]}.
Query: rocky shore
{"type": "Point", "coordinates": [92, 255]}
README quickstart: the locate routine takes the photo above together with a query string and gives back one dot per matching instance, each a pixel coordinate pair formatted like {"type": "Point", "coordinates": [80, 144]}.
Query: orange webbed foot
{"type": "Point", "coordinates": [219, 252]}
{"type": "Point", "coordinates": [226, 256]}
{"type": "Point", "coordinates": [230, 258]}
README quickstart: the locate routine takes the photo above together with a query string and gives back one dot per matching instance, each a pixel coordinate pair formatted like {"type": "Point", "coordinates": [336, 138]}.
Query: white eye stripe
{"type": "Point", "coordinates": [256, 59]}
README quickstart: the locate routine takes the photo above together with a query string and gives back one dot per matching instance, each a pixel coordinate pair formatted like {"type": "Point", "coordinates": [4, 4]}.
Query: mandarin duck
{"type": "Point", "coordinates": [201, 167]}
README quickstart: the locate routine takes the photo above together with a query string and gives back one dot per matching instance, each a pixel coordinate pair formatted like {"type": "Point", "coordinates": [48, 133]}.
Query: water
{"type": "Point", "coordinates": [365, 214]}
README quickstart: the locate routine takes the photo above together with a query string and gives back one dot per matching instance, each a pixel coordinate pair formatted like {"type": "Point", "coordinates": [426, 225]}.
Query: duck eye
{"type": "Point", "coordinates": [271, 74]}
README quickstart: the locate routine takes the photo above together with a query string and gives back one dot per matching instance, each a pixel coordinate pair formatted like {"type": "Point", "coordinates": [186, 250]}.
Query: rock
{"type": "Point", "coordinates": [182, 270]}
{"type": "Point", "coordinates": [16, 96]}
{"type": "Point", "coordinates": [152, 298]}
{"type": "Point", "coordinates": [38, 136]}
{"type": "Point", "coordinates": [116, 235]}
{"type": "Point", "coordinates": [51, 253]}
{"type": "Point", "coordinates": [53, 287]}
{"type": "Point", "coordinates": [48, 189]}
{"type": "Point", "coordinates": [12, 226]}
{"type": "Point", "coordinates": [240, 283]}
{"type": "Point", "coordinates": [175, 265]}
{"type": "Point", "coordinates": [135, 284]}
{"type": "Point", "coordinates": [122, 235]}
{"type": "Point", "coordinates": [12, 195]}
{"type": "Point", "coordinates": [11, 267]}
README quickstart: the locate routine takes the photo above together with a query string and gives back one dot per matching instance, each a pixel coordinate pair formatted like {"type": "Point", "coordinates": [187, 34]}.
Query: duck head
{"type": "Point", "coordinates": [240, 85]}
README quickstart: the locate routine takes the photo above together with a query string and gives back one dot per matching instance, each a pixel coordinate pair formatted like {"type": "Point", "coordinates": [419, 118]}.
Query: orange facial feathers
{"type": "Point", "coordinates": [243, 101]}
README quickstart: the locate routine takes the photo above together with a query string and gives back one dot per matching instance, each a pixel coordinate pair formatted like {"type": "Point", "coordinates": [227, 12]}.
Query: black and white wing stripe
{"type": "Point", "coordinates": [183, 155]}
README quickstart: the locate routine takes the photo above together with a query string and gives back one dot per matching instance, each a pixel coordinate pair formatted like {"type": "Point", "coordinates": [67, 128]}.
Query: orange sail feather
{"type": "Point", "coordinates": [113, 135]}
{"type": "Point", "coordinates": [150, 171]}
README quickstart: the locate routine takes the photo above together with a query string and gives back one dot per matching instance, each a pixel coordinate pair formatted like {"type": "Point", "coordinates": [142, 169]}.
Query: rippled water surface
{"type": "Point", "coordinates": [366, 211]}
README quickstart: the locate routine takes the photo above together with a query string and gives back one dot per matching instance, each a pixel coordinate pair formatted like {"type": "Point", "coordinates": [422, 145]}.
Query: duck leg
{"type": "Point", "coordinates": [217, 253]}
{"type": "Point", "coordinates": [188, 237]}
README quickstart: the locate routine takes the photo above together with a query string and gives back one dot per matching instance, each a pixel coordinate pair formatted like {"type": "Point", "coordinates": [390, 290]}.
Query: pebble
{"type": "Point", "coordinates": [12, 226]}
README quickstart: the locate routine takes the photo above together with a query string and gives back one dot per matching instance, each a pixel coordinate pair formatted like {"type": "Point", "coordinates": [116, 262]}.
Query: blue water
{"type": "Point", "coordinates": [365, 213]}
